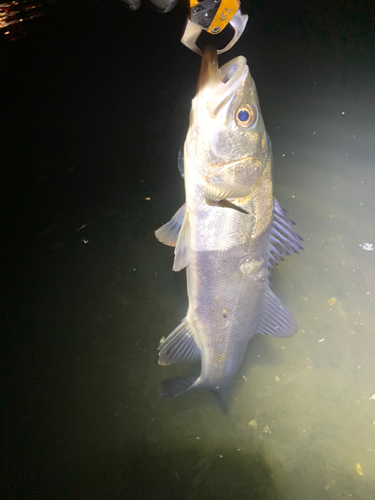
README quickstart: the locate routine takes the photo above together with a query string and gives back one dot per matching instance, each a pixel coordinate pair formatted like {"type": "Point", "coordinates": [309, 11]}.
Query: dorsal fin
{"type": "Point", "coordinates": [276, 319]}
{"type": "Point", "coordinates": [284, 240]}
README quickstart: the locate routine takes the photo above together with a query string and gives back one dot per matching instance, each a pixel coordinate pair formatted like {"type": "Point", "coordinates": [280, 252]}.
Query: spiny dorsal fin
{"type": "Point", "coordinates": [284, 240]}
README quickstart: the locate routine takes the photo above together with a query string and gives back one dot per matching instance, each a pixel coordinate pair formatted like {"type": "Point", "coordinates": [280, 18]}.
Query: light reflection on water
{"type": "Point", "coordinates": [14, 14]}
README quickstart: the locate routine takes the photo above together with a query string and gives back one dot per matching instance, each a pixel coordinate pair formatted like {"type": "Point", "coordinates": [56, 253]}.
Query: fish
{"type": "Point", "coordinates": [131, 4]}
{"type": "Point", "coordinates": [163, 6]}
{"type": "Point", "coordinates": [229, 234]}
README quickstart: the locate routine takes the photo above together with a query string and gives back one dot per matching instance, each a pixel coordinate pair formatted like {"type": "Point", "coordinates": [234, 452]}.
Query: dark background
{"type": "Point", "coordinates": [95, 105]}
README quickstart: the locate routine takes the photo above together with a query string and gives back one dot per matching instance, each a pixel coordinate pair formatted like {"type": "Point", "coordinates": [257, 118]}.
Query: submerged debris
{"type": "Point", "coordinates": [83, 226]}
{"type": "Point", "coordinates": [367, 246]}
{"type": "Point", "coordinates": [358, 469]}
{"type": "Point", "coordinates": [331, 302]}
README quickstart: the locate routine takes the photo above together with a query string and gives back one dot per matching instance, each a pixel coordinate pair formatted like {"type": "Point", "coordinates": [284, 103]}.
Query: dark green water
{"type": "Point", "coordinates": [96, 103]}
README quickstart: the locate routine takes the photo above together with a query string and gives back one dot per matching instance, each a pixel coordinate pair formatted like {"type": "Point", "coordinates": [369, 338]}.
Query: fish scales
{"type": "Point", "coordinates": [226, 271]}
{"type": "Point", "coordinates": [229, 234]}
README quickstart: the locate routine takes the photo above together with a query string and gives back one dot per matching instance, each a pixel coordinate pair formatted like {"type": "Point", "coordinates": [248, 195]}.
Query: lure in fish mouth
{"type": "Point", "coordinates": [229, 234]}
{"type": "Point", "coordinates": [226, 129]}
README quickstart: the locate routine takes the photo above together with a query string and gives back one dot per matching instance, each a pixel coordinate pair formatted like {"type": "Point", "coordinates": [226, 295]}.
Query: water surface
{"type": "Point", "coordinates": [97, 109]}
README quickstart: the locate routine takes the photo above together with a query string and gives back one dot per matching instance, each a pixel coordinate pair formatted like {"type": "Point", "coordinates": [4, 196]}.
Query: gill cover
{"type": "Point", "coordinates": [226, 128]}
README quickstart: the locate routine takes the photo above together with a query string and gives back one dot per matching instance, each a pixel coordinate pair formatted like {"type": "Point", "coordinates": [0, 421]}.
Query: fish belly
{"type": "Point", "coordinates": [227, 283]}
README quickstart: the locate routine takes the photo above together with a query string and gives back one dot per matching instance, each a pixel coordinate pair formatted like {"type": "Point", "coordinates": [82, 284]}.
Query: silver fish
{"type": "Point", "coordinates": [229, 234]}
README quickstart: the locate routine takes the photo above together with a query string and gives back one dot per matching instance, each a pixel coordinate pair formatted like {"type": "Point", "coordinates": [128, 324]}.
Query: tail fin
{"type": "Point", "coordinates": [222, 397]}
{"type": "Point", "coordinates": [176, 385]}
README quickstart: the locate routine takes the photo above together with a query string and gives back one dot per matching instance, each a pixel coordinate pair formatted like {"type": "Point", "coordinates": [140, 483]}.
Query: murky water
{"type": "Point", "coordinates": [95, 125]}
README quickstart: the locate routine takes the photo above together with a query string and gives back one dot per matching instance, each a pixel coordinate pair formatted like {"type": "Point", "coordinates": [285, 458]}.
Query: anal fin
{"type": "Point", "coordinates": [179, 346]}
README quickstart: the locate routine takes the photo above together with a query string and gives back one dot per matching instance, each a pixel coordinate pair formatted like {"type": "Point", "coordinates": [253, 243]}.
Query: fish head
{"type": "Point", "coordinates": [227, 135]}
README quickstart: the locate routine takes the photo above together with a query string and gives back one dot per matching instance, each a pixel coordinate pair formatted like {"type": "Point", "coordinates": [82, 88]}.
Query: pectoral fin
{"type": "Point", "coordinates": [218, 193]}
{"type": "Point", "coordinates": [215, 192]}
{"type": "Point", "coordinates": [276, 320]}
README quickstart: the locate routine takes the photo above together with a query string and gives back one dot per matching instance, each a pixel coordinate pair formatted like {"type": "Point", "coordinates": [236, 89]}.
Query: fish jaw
{"type": "Point", "coordinates": [216, 84]}
{"type": "Point", "coordinates": [215, 138]}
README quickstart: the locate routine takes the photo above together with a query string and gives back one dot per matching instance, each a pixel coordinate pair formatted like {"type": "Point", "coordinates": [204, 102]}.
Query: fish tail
{"type": "Point", "coordinates": [222, 397]}
{"type": "Point", "coordinates": [175, 386]}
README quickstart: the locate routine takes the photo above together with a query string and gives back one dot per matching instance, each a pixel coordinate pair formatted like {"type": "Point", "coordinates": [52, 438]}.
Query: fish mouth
{"type": "Point", "coordinates": [219, 84]}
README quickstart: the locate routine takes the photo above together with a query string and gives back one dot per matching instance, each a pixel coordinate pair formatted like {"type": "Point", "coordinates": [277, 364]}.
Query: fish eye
{"type": "Point", "coordinates": [246, 115]}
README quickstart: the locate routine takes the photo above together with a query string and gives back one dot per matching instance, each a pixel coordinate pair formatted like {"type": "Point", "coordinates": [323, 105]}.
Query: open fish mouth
{"type": "Point", "coordinates": [216, 85]}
